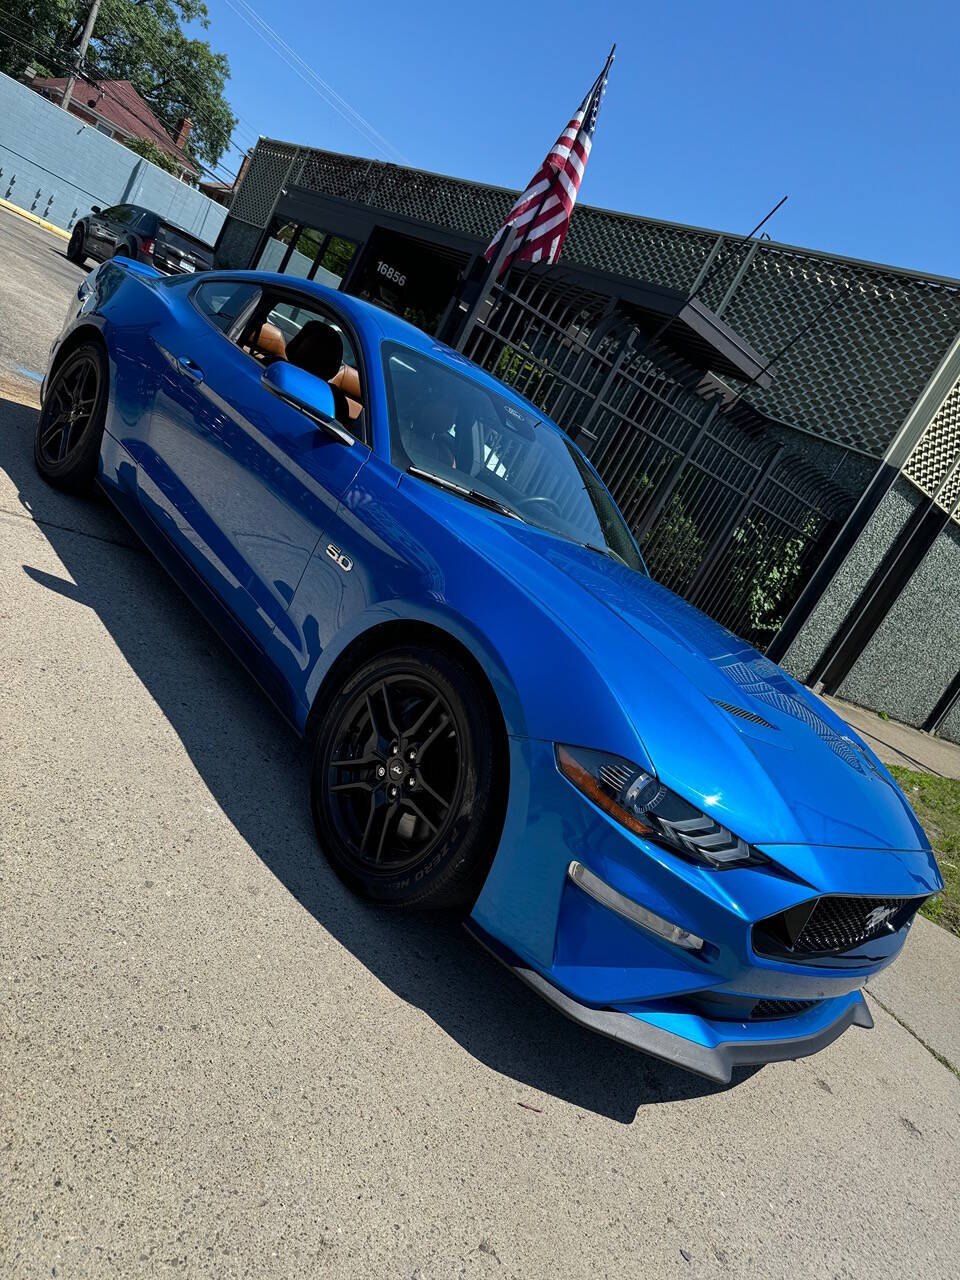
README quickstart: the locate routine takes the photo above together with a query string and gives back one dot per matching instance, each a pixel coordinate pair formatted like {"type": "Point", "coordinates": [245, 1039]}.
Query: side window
{"type": "Point", "coordinates": [124, 214]}
{"type": "Point", "coordinates": [299, 331]}
{"type": "Point", "coordinates": [223, 301]}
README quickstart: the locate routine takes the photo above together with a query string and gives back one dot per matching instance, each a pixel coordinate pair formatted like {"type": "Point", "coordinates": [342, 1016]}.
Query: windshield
{"type": "Point", "coordinates": [448, 426]}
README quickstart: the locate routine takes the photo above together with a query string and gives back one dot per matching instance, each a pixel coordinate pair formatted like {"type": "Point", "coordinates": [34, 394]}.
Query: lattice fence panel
{"type": "Point", "coordinates": [874, 339]}
{"type": "Point", "coordinates": [261, 184]}
{"type": "Point", "coordinates": [936, 451]}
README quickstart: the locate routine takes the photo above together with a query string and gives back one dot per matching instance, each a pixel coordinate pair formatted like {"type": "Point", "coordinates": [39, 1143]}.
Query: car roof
{"type": "Point", "coordinates": [167, 222]}
{"type": "Point", "coordinates": [393, 329]}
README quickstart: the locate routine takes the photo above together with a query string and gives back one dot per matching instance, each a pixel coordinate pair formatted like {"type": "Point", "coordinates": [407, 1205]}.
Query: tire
{"type": "Point", "coordinates": [66, 447]}
{"type": "Point", "coordinates": [124, 251]}
{"type": "Point", "coordinates": [406, 796]}
{"type": "Point", "coordinates": [75, 246]}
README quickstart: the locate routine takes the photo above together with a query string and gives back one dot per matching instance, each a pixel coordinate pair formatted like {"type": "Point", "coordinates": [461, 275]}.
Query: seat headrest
{"type": "Point", "coordinates": [348, 380]}
{"type": "Point", "coordinates": [316, 348]}
{"type": "Point", "coordinates": [269, 340]}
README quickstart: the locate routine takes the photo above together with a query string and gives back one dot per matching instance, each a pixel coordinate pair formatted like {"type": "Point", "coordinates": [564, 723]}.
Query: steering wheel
{"type": "Point", "coordinates": [540, 499]}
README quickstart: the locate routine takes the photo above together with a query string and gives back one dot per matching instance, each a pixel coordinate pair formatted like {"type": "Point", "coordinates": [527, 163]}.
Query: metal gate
{"type": "Point", "coordinates": [724, 514]}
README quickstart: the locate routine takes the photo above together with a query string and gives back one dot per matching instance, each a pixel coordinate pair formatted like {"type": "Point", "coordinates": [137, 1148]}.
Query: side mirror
{"type": "Point", "coordinates": [95, 208]}
{"type": "Point", "coordinates": [308, 393]}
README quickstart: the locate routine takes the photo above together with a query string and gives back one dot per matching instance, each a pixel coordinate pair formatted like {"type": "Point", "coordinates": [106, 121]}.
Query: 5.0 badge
{"type": "Point", "coordinates": [337, 556]}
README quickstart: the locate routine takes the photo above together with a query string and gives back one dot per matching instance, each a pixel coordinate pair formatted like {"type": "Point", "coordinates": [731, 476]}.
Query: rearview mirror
{"type": "Point", "coordinates": [306, 392]}
{"type": "Point", "coordinates": [95, 208]}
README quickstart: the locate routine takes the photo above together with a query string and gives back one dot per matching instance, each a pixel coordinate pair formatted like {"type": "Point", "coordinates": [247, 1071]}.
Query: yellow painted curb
{"type": "Point", "coordinates": [32, 217]}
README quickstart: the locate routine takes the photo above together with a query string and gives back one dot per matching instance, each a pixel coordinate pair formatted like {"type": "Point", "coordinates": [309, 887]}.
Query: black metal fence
{"type": "Point", "coordinates": [725, 515]}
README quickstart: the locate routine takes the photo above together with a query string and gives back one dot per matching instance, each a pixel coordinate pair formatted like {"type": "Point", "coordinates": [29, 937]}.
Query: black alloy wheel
{"type": "Point", "coordinates": [75, 245]}
{"type": "Point", "coordinates": [405, 795]}
{"type": "Point", "coordinates": [70, 426]}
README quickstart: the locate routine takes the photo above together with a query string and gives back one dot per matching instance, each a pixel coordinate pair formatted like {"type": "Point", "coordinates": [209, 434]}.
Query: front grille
{"type": "Point", "coordinates": [839, 924]}
{"type": "Point", "coordinates": [831, 925]}
{"type": "Point", "coordinates": [766, 1009]}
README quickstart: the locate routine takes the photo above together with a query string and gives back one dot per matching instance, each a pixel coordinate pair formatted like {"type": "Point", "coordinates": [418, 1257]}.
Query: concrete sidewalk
{"type": "Point", "coordinates": [921, 990]}
{"type": "Point", "coordinates": [897, 743]}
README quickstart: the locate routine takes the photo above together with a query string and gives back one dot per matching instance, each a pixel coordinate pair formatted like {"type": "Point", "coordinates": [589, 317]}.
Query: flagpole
{"type": "Point", "coordinates": [512, 240]}
{"type": "Point", "coordinates": [489, 280]}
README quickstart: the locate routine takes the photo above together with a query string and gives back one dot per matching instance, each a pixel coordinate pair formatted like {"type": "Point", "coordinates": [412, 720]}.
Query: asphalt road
{"type": "Point", "coordinates": [216, 1062]}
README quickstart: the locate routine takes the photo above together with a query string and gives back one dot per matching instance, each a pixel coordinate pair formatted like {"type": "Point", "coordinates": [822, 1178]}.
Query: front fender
{"type": "Point", "coordinates": [411, 563]}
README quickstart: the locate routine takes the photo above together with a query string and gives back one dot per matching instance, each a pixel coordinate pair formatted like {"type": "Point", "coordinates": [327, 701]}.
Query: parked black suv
{"type": "Point", "coordinates": [134, 232]}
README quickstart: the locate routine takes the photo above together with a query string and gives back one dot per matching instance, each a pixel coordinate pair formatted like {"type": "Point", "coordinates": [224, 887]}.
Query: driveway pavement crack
{"type": "Point", "coordinates": [944, 1062]}
{"type": "Point", "coordinates": [69, 528]}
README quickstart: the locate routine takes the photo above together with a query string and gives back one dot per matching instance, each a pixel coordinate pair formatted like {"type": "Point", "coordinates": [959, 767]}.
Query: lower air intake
{"type": "Point", "coordinates": [766, 1009]}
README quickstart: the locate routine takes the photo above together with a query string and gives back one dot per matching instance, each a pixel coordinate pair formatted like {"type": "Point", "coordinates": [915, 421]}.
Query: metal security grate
{"type": "Point", "coordinates": [936, 452]}
{"type": "Point", "coordinates": [724, 516]}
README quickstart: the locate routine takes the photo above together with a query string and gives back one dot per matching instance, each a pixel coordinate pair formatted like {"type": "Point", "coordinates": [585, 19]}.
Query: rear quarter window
{"type": "Point", "coordinates": [222, 301]}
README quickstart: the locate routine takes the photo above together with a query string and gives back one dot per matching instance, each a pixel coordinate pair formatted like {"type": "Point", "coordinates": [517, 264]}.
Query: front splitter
{"type": "Point", "coordinates": [715, 1062]}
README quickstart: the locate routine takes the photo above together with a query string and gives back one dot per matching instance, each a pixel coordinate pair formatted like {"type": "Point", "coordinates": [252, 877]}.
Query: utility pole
{"type": "Point", "coordinates": [81, 52]}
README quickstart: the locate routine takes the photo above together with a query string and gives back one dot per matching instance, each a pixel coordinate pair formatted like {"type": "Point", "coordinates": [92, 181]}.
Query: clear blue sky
{"type": "Point", "coordinates": [712, 113]}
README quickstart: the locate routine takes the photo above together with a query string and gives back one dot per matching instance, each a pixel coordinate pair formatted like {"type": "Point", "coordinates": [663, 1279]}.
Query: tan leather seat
{"type": "Point", "coordinates": [269, 341]}
{"type": "Point", "coordinates": [348, 380]}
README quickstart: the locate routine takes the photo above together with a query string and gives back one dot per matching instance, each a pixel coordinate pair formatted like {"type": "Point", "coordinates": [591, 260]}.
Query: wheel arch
{"type": "Point", "coordinates": [76, 338]}
{"type": "Point", "coordinates": [391, 634]}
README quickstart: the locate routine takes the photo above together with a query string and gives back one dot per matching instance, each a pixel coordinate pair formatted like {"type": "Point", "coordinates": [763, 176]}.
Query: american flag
{"type": "Point", "coordinates": [541, 214]}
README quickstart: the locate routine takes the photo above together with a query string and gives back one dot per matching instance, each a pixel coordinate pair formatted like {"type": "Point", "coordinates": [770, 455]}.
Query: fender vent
{"type": "Point", "coordinates": [743, 714]}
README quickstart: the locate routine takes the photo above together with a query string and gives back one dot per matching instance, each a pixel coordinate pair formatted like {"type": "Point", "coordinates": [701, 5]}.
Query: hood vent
{"type": "Point", "coordinates": [743, 714]}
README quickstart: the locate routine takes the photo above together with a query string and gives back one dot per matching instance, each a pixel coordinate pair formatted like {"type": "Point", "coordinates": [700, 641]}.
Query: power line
{"type": "Point", "coordinates": [150, 39]}
{"type": "Point", "coordinates": [66, 66]}
{"type": "Point", "coordinates": [69, 64]}
{"type": "Point", "coordinates": [184, 80]}
{"type": "Point", "coordinates": [272, 38]}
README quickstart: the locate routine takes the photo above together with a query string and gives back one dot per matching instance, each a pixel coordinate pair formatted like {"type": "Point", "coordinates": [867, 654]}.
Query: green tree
{"type": "Point", "coordinates": [137, 40]}
{"type": "Point", "coordinates": [150, 151]}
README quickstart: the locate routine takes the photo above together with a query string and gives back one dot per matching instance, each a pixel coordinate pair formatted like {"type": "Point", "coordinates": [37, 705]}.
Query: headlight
{"type": "Point", "coordinates": [642, 804]}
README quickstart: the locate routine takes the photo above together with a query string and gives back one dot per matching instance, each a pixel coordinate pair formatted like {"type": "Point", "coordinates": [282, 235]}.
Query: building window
{"type": "Point", "coordinates": [278, 243]}
{"type": "Point", "coordinates": [334, 261]}
{"type": "Point", "coordinates": [308, 252]}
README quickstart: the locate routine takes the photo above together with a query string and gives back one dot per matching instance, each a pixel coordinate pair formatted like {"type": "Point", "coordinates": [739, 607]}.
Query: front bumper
{"type": "Point", "coordinates": [701, 1048]}
{"type": "Point", "coordinates": [707, 1009]}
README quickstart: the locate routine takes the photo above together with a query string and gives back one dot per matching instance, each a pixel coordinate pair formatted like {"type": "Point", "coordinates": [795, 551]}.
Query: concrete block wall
{"type": "Point", "coordinates": [915, 652]}
{"type": "Point", "coordinates": [55, 166]}
{"type": "Point", "coordinates": [836, 602]}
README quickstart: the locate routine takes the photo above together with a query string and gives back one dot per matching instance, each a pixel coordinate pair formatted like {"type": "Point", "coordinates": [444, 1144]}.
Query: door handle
{"type": "Point", "coordinates": [190, 368]}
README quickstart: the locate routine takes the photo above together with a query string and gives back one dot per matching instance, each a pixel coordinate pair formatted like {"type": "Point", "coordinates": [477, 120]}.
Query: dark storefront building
{"type": "Point", "coordinates": [785, 445]}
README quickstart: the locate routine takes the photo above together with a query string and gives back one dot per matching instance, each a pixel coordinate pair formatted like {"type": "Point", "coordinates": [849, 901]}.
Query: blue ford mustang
{"type": "Point", "coordinates": [651, 824]}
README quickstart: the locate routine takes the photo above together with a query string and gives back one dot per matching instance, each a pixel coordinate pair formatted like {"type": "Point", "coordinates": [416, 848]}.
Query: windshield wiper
{"type": "Point", "coordinates": [605, 551]}
{"type": "Point", "coordinates": [473, 495]}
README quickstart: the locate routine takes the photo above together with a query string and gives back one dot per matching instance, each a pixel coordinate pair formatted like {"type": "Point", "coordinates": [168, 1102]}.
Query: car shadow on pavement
{"type": "Point", "coordinates": [256, 771]}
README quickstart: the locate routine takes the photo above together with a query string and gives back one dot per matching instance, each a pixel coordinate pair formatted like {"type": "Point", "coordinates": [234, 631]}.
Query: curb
{"type": "Point", "coordinates": [32, 217]}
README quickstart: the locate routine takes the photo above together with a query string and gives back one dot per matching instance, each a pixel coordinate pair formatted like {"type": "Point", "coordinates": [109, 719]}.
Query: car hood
{"type": "Point", "coordinates": [720, 723]}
